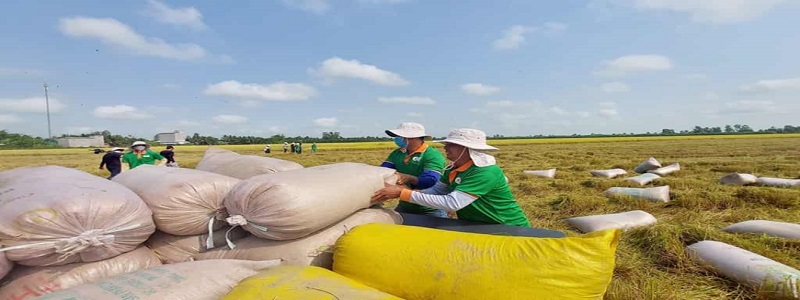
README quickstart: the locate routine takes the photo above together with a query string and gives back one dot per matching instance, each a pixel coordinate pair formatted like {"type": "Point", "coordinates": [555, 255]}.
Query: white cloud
{"type": "Point", "coordinates": [555, 27]}
{"type": "Point", "coordinates": [415, 115]}
{"type": "Point", "coordinates": [278, 91]}
{"type": "Point", "coordinates": [712, 11]}
{"type": "Point", "coordinates": [616, 87]}
{"type": "Point", "coordinates": [625, 65]}
{"type": "Point", "coordinates": [229, 119]}
{"type": "Point", "coordinates": [479, 89]}
{"type": "Point", "coordinates": [276, 129]}
{"type": "Point", "coordinates": [31, 105]}
{"type": "Point", "coordinates": [336, 67]}
{"type": "Point", "coordinates": [513, 37]}
{"type": "Point", "coordinates": [226, 59]}
{"type": "Point", "coordinates": [773, 85]}
{"type": "Point", "coordinates": [182, 16]}
{"type": "Point", "coordinates": [113, 32]}
{"type": "Point", "coordinates": [124, 112]}
{"type": "Point", "coordinates": [748, 106]}
{"type": "Point", "coordinates": [500, 104]}
{"type": "Point", "coordinates": [407, 100]}
{"type": "Point", "coordinates": [9, 119]}
{"type": "Point", "coordinates": [18, 73]}
{"type": "Point", "coordinates": [314, 6]}
{"type": "Point", "coordinates": [326, 122]}
{"type": "Point", "coordinates": [608, 109]}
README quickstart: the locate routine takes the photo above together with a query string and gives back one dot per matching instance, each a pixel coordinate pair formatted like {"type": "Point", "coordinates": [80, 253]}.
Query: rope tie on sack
{"type": "Point", "coordinates": [239, 220]}
{"type": "Point", "coordinates": [73, 245]}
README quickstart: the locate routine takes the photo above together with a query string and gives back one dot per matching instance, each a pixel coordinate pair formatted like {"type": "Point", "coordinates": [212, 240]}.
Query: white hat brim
{"type": "Point", "coordinates": [406, 134]}
{"type": "Point", "coordinates": [475, 146]}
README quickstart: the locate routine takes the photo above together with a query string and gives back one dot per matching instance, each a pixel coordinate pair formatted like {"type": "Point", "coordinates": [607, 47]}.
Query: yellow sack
{"type": "Point", "coordinates": [431, 264]}
{"type": "Point", "coordinates": [301, 283]}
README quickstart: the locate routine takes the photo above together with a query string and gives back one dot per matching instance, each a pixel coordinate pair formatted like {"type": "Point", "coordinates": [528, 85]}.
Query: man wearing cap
{"type": "Point", "coordinates": [141, 154]}
{"type": "Point", "coordinates": [472, 184]}
{"type": "Point", "coordinates": [418, 166]}
{"type": "Point", "coordinates": [111, 161]}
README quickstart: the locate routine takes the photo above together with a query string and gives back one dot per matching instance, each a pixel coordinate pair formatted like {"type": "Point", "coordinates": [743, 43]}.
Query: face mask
{"type": "Point", "coordinates": [138, 148]}
{"type": "Point", "coordinates": [400, 142]}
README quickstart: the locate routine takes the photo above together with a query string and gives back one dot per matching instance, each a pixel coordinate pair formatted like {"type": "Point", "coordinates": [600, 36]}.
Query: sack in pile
{"type": "Point", "coordinates": [624, 221]}
{"type": "Point", "coordinates": [290, 205]}
{"type": "Point", "coordinates": [551, 173]}
{"type": "Point", "coordinates": [750, 269]}
{"type": "Point", "coordinates": [647, 165]}
{"type": "Point", "coordinates": [5, 265]}
{"type": "Point", "coordinates": [643, 179]}
{"type": "Point", "coordinates": [182, 248]}
{"type": "Point", "coordinates": [777, 182]}
{"type": "Point", "coordinates": [197, 280]}
{"type": "Point", "coordinates": [663, 171]}
{"type": "Point", "coordinates": [54, 215]}
{"type": "Point", "coordinates": [241, 166]}
{"type": "Point", "coordinates": [423, 263]}
{"type": "Point", "coordinates": [611, 173]}
{"type": "Point", "coordinates": [183, 201]}
{"type": "Point", "coordinates": [307, 283]}
{"type": "Point", "coordinates": [777, 229]}
{"type": "Point", "coordinates": [738, 179]}
{"type": "Point", "coordinates": [30, 282]}
{"type": "Point", "coordinates": [655, 194]}
{"type": "Point", "coordinates": [313, 250]}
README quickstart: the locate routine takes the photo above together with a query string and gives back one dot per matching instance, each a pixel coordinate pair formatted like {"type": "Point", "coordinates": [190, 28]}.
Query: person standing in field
{"type": "Point", "coordinates": [267, 149]}
{"type": "Point", "coordinates": [299, 147]}
{"type": "Point", "coordinates": [418, 165]}
{"type": "Point", "coordinates": [141, 154]}
{"type": "Point", "coordinates": [294, 147]}
{"type": "Point", "coordinates": [285, 147]}
{"type": "Point", "coordinates": [169, 154]}
{"type": "Point", "coordinates": [313, 147]}
{"type": "Point", "coordinates": [112, 162]}
{"type": "Point", "coordinates": [472, 184]}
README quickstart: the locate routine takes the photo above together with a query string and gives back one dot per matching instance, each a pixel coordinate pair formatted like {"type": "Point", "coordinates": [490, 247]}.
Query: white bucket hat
{"type": "Point", "coordinates": [138, 143]}
{"type": "Point", "coordinates": [408, 130]}
{"type": "Point", "coordinates": [475, 141]}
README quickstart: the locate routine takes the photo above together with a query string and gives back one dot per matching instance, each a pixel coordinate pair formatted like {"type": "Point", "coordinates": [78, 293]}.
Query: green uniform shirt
{"type": "Point", "coordinates": [495, 203]}
{"type": "Point", "coordinates": [148, 158]}
{"type": "Point", "coordinates": [427, 159]}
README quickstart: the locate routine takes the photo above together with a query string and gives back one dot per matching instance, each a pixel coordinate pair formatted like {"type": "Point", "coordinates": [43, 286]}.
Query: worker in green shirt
{"type": "Point", "coordinates": [472, 184]}
{"type": "Point", "coordinates": [418, 166]}
{"type": "Point", "coordinates": [141, 154]}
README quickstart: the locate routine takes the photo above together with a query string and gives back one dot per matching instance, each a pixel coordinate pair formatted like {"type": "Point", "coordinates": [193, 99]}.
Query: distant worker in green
{"type": "Point", "coordinates": [141, 154]}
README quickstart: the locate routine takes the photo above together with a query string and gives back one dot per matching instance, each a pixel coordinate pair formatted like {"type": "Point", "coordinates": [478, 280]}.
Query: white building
{"type": "Point", "coordinates": [74, 142]}
{"type": "Point", "coordinates": [171, 138]}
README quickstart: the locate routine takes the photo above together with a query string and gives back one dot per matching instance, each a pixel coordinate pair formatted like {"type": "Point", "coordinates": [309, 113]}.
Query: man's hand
{"type": "Point", "coordinates": [405, 179]}
{"type": "Point", "coordinates": [386, 193]}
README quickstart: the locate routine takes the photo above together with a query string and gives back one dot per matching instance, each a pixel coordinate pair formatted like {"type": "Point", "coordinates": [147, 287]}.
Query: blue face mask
{"type": "Point", "coordinates": [400, 142]}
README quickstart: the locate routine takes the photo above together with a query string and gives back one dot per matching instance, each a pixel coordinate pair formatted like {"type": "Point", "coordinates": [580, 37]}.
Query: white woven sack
{"type": "Point", "coordinates": [655, 194]}
{"type": "Point", "coordinates": [643, 179]}
{"type": "Point", "coordinates": [5, 265]}
{"type": "Point", "coordinates": [611, 173]}
{"type": "Point", "coordinates": [551, 173]}
{"type": "Point", "coordinates": [229, 163]}
{"type": "Point", "coordinates": [777, 182]}
{"type": "Point", "coordinates": [777, 229]}
{"type": "Point", "coordinates": [738, 179]}
{"type": "Point", "coordinates": [647, 165]}
{"type": "Point", "coordinates": [623, 220]}
{"type": "Point", "coordinates": [663, 171]}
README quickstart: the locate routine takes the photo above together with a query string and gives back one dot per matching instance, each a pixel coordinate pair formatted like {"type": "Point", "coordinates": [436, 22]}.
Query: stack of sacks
{"type": "Point", "coordinates": [647, 165]}
{"type": "Point", "coordinates": [240, 166]}
{"type": "Point", "coordinates": [663, 171]}
{"type": "Point", "coordinates": [643, 179]}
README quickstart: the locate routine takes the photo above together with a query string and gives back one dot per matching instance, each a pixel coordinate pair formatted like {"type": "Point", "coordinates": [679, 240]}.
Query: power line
{"type": "Point", "coordinates": [47, 104]}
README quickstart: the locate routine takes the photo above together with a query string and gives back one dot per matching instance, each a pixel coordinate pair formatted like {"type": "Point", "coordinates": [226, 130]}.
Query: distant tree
{"type": "Point", "coordinates": [729, 129]}
{"type": "Point", "coordinates": [667, 131]}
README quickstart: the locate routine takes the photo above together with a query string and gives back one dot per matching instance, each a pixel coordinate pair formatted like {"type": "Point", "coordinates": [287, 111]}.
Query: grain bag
{"type": "Point", "coordinates": [551, 173]}
{"type": "Point", "coordinates": [183, 201]}
{"type": "Point", "coordinates": [655, 194]}
{"type": "Point", "coordinates": [643, 179]}
{"type": "Point", "coordinates": [229, 163]}
{"type": "Point", "coordinates": [423, 263]}
{"type": "Point", "coordinates": [307, 283]}
{"type": "Point", "coordinates": [312, 250]}
{"type": "Point", "coordinates": [624, 221]}
{"type": "Point", "coordinates": [738, 179]}
{"type": "Point", "coordinates": [611, 173]}
{"type": "Point", "coordinates": [197, 280]}
{"type": "Point", "coordinates": [663, 171]}
{"type": "Point", "coordinates": [5, 265]}
{"type": "Point", "coordinates": [182, 248]}
{"type": "Point", "coordinates": [777, 229]}
{"type": "Point", "coordinates": [30, 282]}
{"type": "Point", "coordinates": [647, 165]}
{"type": "Point", "coordinates": [777, 182]}
{"type": "Point", "coordinates": [53, 215]}
{"type": "Point", "coordinates": [290, 205]}
{"type": "Point", "coordinates": [747, 268]}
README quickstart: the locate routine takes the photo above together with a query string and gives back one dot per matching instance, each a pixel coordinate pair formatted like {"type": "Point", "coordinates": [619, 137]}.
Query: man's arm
{"type": "Point", "coordinates": [453, 201]}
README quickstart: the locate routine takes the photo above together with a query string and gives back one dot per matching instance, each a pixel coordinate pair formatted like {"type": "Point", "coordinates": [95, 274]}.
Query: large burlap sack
{"type": "Point", "coordinates": [551, 173]}
{"type": "Point", "coordinates": [312, 250]}
{"type": "Point", "coordinates": [197, 280]}
{"type": "Point", "coordinates": [53, 215]}
{"type": "Point", "coordinates": [647, 165]}
{"type": "Point", "coordinates": [240, 166]}
{"type": "Point", "coordinates": [655, 194]}
{"type": "Point", "coordinates": [663, 171]}
{"type": "Point", "coordinates": [294, 204]}
{"type": "Point", "coordinates": [182, 248]}
{"type": "Point", "coordinates": [5, 265]}
{"type": "Point", "coordinates": [423, 263]}
{"type": "Point", "coordinates": [30, 282]}
{"type": "Point", "coordinates": [778, 229]}
{"type": "Point", "coordinates": [306, 283]}
{"type": "Point", "coordinates": [611, 173]}
{"type": "Point", "coordinates": [183, 201]}
{"type": "Point", "coordinates": [643, 179]}
{"type": "Point", "coordinates": [747, 268]}
{"type": "Point", "coordinates": [738, 179]}
{"type": "Point", "coordinates": [777, 182]}
{"type": "Point", "coordinates": [624, 221]}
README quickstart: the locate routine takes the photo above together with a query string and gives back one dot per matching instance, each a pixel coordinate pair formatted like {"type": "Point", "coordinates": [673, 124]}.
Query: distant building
{"type": "Point", "coordinates": [171, 138]}
{"type": "Point", "coordinates": [75, 142]}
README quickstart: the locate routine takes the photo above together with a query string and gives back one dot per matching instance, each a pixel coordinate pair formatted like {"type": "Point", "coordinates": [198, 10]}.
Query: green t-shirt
{"type": "Point", "coordinates": [427, 159]}
{"type": "Point", "coordinates": [495, 203]}
{"type": "Point", "coordinates": [148, 158]}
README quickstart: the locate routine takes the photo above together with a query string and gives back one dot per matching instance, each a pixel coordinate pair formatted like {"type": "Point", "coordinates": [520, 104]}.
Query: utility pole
{"type": "Point", "coordinates": [47, 104]}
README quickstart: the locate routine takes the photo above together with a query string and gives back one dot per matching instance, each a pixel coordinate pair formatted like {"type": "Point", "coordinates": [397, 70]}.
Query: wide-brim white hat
{"type": "Point", "coordinates": [138, 143]}
{"type": "Point", "coordinates": [467, 137]}
{"type": "Point", "coordinates": [408, 130]}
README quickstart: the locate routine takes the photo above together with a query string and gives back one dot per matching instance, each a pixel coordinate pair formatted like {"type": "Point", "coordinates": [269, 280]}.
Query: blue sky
{"type": "Point", "coordinates": [301, 67]}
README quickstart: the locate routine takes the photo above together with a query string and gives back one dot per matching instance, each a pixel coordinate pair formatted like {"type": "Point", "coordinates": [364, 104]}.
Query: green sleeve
{"type": "Point", "coordinates": [434, 161]}
{"type": "Point", "coordinates": [480, 182]}
{"type": "Point", "coordinates": [125, 159]}
{"type": "Point", "coordinates": [157, 155]}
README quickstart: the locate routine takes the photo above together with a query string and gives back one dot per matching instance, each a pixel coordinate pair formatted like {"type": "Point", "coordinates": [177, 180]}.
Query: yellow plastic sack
{"type": "Point", "coordinates": [422, 263]}
{"type": "Point", "coordinates": [302, 283]}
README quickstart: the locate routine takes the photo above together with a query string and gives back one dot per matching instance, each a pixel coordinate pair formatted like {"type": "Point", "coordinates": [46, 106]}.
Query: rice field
{"type": "Point", "coordinates": [651, 261]}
